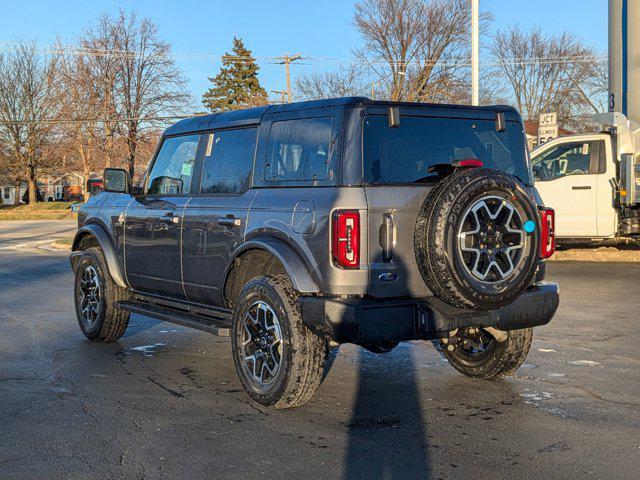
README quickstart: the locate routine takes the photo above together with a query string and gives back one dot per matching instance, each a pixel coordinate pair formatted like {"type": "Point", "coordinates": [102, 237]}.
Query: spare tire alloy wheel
{"type": "Point", "coordinates": [476, 240]}
{"type": "Point", "coordinates": [491, 238]}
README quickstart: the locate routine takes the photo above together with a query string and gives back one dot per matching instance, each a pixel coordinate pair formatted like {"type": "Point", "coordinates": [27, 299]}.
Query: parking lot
{"type": "Point", "coordinates": [165, 402]}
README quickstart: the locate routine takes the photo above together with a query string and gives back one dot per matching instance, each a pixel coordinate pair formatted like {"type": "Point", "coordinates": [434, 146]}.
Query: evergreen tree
{"type": "Point", "coordinates": [237, 85]}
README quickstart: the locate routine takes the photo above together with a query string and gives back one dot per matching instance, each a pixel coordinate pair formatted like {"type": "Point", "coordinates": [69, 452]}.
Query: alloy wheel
{"type": "Point", "coordinates": [90, 291]}
{"type": "Point", "coordinates": [491, 239]}
{"type": "Point", "coordinates": [475, 344]}
{"type": "Point", "coordinates": [261, 343]}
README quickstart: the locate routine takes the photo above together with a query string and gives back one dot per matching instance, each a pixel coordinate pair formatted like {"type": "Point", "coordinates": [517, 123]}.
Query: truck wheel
{"type": "Point", "coordinates": [476, 239]}
{"type": "Point", "coordinates": [280, 362]}
{"type": "Point", "coordinates": [480, 355]}
{"type": "Point", "coordinates": [95, 296]}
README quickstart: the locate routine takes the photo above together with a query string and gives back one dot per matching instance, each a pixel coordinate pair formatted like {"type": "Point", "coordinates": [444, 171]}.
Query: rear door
{"type": "Point", "coordinates": [216, 217]}
{"type": "Point", "coordinates": [567, 174]}
{"type": "Point", "coordinates": [396, 162]}
{"type": "Point", "coordinates": [153, 223]}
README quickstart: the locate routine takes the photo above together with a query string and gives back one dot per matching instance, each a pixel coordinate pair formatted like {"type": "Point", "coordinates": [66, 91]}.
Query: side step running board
{"type": "Point", "coordinates": [199, 322]}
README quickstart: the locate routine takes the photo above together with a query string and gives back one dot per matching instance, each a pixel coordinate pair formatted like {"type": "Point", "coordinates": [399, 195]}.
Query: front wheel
{"type": "Point", "coordinates": [95, 297]}
{"type": "Point", "coordinates": [476, 353]}
{"type": "Point", "coordinates": [278, 359]}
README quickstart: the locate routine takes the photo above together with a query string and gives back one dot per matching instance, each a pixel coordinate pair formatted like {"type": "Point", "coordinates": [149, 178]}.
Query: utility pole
{"type": "Point", "coordinates": [282, 93]}
{"type": "Point", "coordinates": [624, 55]}
{"type": "Point", "coordinates": [475, 53]}
{"type": "Point", "coordinates": [286, 61]}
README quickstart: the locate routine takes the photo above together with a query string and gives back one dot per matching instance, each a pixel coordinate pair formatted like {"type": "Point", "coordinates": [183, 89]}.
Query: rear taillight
{"type": "Point", "coordinates": [547, 232]}
{"type": "Point", "coordinates": [346, 238]}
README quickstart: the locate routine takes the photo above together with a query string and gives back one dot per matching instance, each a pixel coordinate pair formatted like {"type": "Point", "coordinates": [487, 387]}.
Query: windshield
{"type": "Point", "coordinates": [404, 154]}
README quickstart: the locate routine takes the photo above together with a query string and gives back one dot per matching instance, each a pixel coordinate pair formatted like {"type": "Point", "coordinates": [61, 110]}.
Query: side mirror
{"type": "Point", "coordinates": [116, 180]}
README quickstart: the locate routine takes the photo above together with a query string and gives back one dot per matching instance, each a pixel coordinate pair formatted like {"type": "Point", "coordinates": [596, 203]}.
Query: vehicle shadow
{"type": "Point", "coordinates": [140, 323]}
{"type": "Point", "coordinates": [387, 436]}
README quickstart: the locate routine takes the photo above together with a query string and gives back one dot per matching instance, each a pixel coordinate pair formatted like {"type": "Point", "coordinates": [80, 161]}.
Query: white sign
{"type": "Point", "coordinates": [547, 127]}
{"type": "Point", "coordinates": [548, 119]}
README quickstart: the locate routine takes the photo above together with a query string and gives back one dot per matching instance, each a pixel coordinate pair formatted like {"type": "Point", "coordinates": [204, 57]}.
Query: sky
{"type": "Point", "coordinates": [200, 31]}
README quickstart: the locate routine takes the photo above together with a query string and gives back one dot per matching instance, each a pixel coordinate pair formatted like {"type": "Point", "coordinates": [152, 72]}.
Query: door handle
{"type": "Point", "coordinates": [170, 218]}
{"type": "Point", "coordinates": [581, 187]}
{"type": "Point", "coordinates": [229, 221]}
{"type": "Point", "coordinates": [386, 237]}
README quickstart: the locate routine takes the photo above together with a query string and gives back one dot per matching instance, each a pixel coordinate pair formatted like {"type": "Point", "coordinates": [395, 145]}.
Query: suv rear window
{"type": "Point", "coordinates": [228, 161]}
{"type": "Point", "coordinates": [299, 150]}
{"type": "Point", "coordinates": [405, 153]}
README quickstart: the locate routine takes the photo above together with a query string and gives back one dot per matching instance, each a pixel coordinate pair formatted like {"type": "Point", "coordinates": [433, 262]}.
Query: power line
{"type": "Point", "coordinates": [278, 60]}
{"type": "Point", "coordinates": [59, 121]}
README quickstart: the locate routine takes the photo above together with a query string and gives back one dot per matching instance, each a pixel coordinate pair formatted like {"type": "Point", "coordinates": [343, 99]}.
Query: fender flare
{"type": "Point", "coordinates": [101, 235]}
{"type": "Point", "coordinates": [298, 272]}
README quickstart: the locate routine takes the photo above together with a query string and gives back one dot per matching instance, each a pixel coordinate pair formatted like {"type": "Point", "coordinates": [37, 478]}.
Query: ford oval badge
{"type": "Point", "coordinates": [388, 277]}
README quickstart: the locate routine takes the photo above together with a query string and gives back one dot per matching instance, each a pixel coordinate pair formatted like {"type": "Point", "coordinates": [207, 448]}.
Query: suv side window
{"type": "Point", "coordinates": [228, 161]}
{"type": "Point", "coordinates": [566, 159]}
{"type": "Point", "coordinates": [299, 149]}
{"type": "Point", "coordinates": [173, 169]}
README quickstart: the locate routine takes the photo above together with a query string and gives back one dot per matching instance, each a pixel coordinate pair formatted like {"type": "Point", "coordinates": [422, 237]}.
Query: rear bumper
{"type": "Point", "coordinates": [367, 321]}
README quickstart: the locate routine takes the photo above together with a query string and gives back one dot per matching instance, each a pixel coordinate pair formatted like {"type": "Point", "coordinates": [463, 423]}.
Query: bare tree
{"type": "Point", "coordinates": [99, 61]}
{"type": "Point", "coordinates": [346, 81]}
{"type": "Point", "coordinates": [546, 72]}
{"type": "Point", "coordinates": [29, 102]}
{"type": "Point", "coordinates": [82, 101]}
{"type": "Point", "coordinates": [417, 49]}
{"type": "Point", "coordinates": [7, 174]}
{"type": "Point", "coordinates": [148, 83]}
{"type": "Point", "coordinates": [595, 88]}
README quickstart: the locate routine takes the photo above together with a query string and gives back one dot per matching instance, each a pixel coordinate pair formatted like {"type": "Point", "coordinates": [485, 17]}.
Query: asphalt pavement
{"type": "Point", "coordinates": [164, 401]}
{"type": "Point", "coordinates": [23, 233]}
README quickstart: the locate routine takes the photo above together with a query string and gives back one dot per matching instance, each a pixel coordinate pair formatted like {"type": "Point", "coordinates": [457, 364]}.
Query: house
{"type": "Point", "coordinates": [62, 187]}
{"type": "Point", "coordinates": [7, 193]}
{"type": "Point", "coordinates": [68, 186]}
{"type": "Point", "coordinates": [531, 129]}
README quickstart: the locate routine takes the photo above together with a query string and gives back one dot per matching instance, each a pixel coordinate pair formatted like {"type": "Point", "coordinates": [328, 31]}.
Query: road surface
{"type": "Point", "coordinates": [20, 233]}
{"type": "Point", "coordinates": [164, 401]}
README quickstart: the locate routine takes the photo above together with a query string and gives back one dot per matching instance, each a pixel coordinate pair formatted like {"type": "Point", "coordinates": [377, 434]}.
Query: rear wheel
{"type": "Point", "coordinates": [477, 353]}
{"type": "Point", "coordinates": [279, 361]}
{"type": "Point", "coordinates": [95, 297]}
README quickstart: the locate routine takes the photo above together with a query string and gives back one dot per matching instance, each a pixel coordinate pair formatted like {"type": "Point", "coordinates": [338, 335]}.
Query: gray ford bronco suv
{"type": "Point", "coordinates": [293, 228]}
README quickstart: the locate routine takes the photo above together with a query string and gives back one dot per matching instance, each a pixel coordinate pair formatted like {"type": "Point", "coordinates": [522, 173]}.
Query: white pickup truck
{"type": "Point", "coordinates": [592, 181]}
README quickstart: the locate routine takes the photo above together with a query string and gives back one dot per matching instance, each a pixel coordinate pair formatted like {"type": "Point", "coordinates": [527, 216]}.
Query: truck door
{"type": "Point", "coordinates": [153, 222]}
{"type": "Point", "coordinates": [216, 218]}
{"type": "Point", "coordinates": [566, 172]}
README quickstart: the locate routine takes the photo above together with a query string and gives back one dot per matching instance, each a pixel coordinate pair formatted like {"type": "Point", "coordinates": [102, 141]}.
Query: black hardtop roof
{"type": "Point", "coordinates": [253, 116]}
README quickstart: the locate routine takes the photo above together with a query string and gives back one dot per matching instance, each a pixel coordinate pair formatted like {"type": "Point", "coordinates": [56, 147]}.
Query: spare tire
{"type": "Point", "coordinates": [476, 239]}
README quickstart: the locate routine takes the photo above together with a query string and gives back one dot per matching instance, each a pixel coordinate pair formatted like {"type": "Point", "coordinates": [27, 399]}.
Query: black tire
{"type": "Point", "coordinates": [501, 358]}
{"type": "Point", "coordinates": [302, 354]}
{"type": "Point", "coordinates": [381, 348]}
{"type": "Point", "coordinates": [110, 323]}
{"type": "Point", "coordinates": [444, 266]}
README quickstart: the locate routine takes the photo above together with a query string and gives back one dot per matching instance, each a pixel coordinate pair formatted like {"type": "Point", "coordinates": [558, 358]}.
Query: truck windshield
{"type": "Point", "coordinates": [405, 153]}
